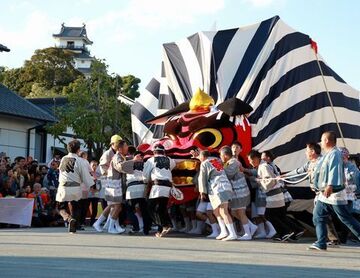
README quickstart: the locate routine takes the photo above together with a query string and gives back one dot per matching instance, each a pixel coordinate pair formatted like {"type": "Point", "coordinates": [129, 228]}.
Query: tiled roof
{"type": "Point", "coordinates": [83, 55]}
{"type": "Point", "coordinates": [49, 104]}
{"type": "Point", "coordinates": [73, 32]}
{"type": "Point", "coordinates": [15, 105]}
{"type": "Point", "coordinates": [84, 70]}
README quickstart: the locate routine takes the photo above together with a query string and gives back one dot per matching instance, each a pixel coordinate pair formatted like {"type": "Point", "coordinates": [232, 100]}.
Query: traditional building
{"type": "Point", "coordinates": [22, 126]}
{"type": "Point", "coordinates": [75, 39]}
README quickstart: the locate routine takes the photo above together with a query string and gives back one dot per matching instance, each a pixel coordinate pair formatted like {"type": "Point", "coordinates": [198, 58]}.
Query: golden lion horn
{"type": "Point", "coordinates": [201, 101]}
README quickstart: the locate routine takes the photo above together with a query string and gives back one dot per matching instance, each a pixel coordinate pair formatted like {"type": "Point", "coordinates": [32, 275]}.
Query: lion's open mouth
{"type": "Point", "coordinates": [184, 172]}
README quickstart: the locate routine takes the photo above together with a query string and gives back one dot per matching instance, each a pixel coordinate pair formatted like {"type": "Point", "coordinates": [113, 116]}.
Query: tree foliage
{"type": "Point", "coordinates": [47, 72]}
{"type": "Point", "coordinates": [11, 78]}
{"type": "Point", "coordinates": [93, 111]}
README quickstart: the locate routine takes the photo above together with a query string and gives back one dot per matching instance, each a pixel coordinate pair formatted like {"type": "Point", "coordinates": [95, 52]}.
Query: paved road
{"type": "Point", "coordinates": [51, 252]}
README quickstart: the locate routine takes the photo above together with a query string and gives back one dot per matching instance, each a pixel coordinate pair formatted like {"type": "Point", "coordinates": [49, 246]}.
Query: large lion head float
{"type": "Point", "coordinates": [200, 124]}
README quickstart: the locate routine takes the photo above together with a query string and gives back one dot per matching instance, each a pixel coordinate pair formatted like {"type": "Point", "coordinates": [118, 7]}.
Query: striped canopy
{"type": "Point", "coordinates": [268, 65]}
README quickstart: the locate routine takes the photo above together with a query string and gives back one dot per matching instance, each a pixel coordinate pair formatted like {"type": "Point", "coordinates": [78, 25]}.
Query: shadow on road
{"type": "Point", "coordinates": [82, 267]}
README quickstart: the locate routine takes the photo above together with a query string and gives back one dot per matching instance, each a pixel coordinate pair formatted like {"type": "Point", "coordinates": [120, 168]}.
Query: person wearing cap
{"type": "Point", "coordinates": [108, 155]}
{"type": "Point", "coordinates": [73, 172]}
{"type": "Point", "coordinates": [104, 164]}
{"type": "Point", "coordinates": [157, 171]}
{"type": "Point", "coordinates": [115, 172]}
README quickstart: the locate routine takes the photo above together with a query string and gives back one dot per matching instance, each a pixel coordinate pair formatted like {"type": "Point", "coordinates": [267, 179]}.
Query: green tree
{"type": "Point", "coordinates": [93, 111]}
{"type": "Point", "coordinates": [2, 74]}
{"type": "Point", "coordinates": [130, 86]}
{"type": "Point", "coordinates": [47, 72]}
{"type": "Point", "coordinates": [11, 78]}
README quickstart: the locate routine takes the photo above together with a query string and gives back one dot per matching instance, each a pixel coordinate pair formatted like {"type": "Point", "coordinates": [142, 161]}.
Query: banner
{"type": "Point", "coordinates": [16, 211]}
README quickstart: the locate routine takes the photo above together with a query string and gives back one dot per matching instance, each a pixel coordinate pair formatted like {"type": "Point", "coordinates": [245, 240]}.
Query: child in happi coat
{"type": "Point", "coordinates": [275, 203]}
{"type": "Point", "coordinates": [214, 184]}
{"type": "Point", "coordinates": [241, 198]}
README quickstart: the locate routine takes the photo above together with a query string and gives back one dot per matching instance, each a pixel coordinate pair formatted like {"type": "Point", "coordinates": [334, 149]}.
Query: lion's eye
{"type": "Point", "coordinates": [208, 137]}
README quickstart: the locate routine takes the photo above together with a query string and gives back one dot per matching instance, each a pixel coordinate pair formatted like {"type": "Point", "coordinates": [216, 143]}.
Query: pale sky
{"type": "Point", "coordinates": [129, 33]}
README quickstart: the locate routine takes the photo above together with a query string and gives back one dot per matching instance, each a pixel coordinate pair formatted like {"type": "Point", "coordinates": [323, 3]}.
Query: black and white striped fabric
{"type": "Point", "coordinates": [273, 68]}
{"type": "Point", "coordinates": [144, 108]}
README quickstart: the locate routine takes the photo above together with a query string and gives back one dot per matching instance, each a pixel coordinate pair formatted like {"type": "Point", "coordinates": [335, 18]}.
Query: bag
{"type": "Point", "coordinates": [113, 190]}
{"type": "Point", "coordinates": [176, 193]}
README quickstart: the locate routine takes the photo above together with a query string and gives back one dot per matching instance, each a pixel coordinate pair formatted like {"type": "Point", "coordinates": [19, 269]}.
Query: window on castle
{"type": "Point", "coordinates": [70, 44]}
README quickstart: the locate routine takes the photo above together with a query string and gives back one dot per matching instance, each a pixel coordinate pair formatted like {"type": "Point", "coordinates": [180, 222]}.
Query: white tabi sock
{"type": "Point", "coordinates": [231, 229]}
{"type": "Point", "coordinates": [111, 228]}
{"type": "Point", "coordinates": [247, 234]}
{"type": "Point", "coordinates": [223, 231]}
{"type": "Point", "coordinates": [107, 223]}
{"type": "Point", "coordinates": [101, 219]}
{"type": "Point", "coordinates": [215, 230]}
{"type": "Point", "coordinates": [215, 227]}
{"type": "Point", "coordinates": [232, 233]}
{"type": "Point", "coordinates": [246, 228]}
{"type": "Point", "coordinates": [98, 222]}
{"type": "Point", "coordinates": [260, 233]}
{"type": "Point", "coordinates": [253, 227]}
{"type": "Point", "coordinates": [271, 230]}
{"type": "Point", "coordinates": [199, 227]}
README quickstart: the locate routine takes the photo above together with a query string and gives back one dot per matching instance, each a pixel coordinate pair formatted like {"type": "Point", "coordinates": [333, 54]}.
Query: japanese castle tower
{"type": "Point", "coordinates": [76, 40]}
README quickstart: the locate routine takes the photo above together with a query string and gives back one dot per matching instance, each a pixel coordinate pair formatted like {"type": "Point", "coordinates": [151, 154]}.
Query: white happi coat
{"type": "Point", "coordinates": [158, 167]}
{"type": "Point", "coordinates": [105, 160]}
{"type": "Point", "coordinates": [237, 178]}
{"type": "Point", "coordinates": [135, 187]}
{"type": "Point", "coordinates": [73, 171]}
{"type": "Point", "coordinates": [270, 185]}
{"type": "Point", "coordinates": [212, 177]}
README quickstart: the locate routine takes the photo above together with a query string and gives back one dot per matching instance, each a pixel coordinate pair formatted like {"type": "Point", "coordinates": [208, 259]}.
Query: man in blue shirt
{"type": "Point", "coordinates": [329, 181]}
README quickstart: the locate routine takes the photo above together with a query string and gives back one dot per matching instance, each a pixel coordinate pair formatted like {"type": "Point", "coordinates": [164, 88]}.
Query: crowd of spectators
{"type": "Point", "coordinates": [24, 177]}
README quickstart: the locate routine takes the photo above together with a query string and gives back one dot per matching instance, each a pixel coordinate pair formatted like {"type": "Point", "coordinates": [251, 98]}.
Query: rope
{"type": "Point", "coordinates": [288, 179]}
{"type": "Point", "coordinates": [330, 100]}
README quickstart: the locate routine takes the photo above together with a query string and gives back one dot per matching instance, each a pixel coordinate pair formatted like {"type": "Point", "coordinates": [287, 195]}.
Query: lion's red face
{"type": "Point", "coordinates": [205, 130]}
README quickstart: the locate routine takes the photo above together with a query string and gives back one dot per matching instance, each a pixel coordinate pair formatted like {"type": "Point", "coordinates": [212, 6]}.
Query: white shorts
{"type": "Point", "coordinates": [204, 206]}
{"type": "Point", "coordinates": [113, 203]}
{"type": "Point", "coordinates": [257, 211]}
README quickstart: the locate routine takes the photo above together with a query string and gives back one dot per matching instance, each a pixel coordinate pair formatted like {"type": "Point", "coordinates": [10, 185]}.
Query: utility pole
{"type": "Point", "coordinates": [116, 128]}
{"type": "Point", "coordinates": [54, 111]}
